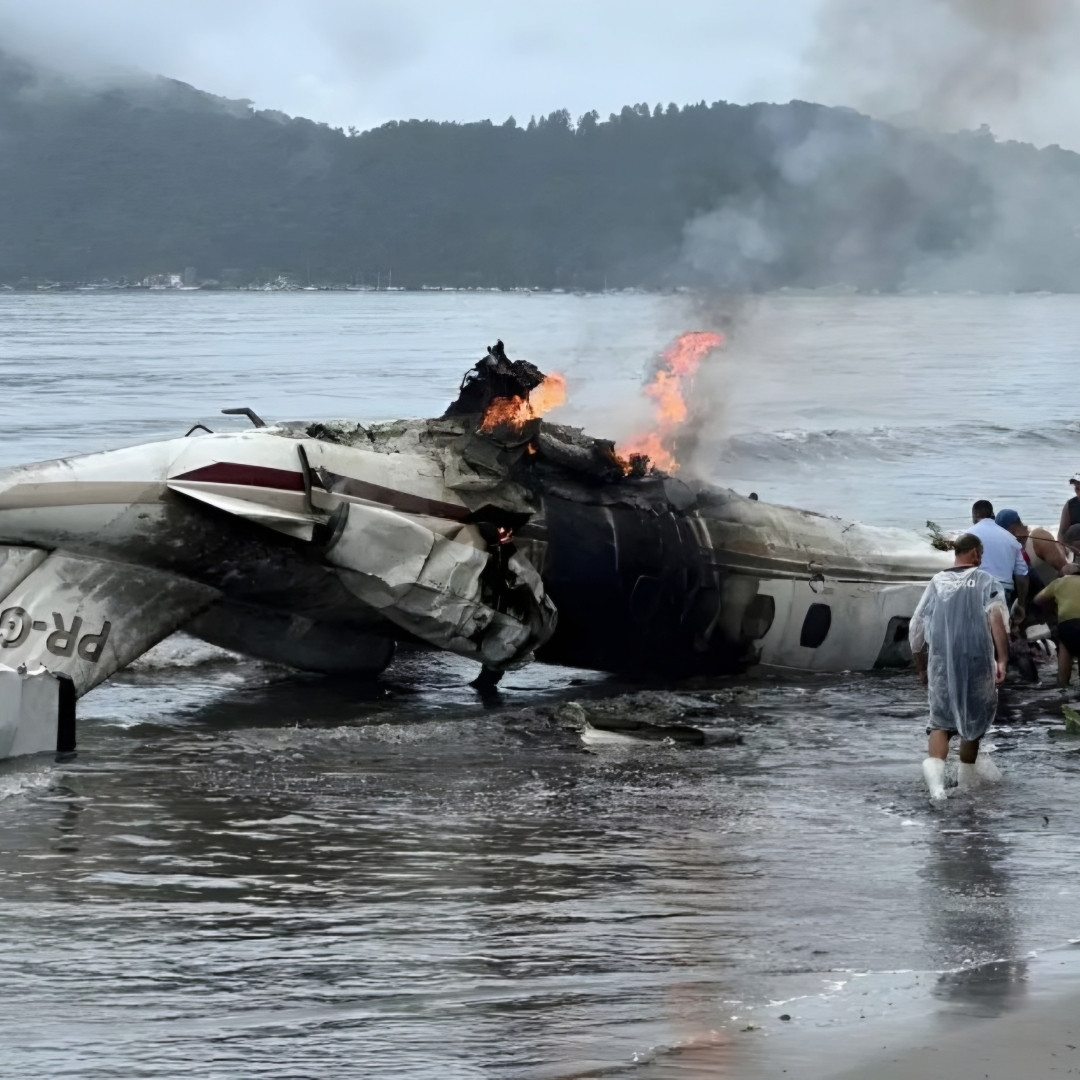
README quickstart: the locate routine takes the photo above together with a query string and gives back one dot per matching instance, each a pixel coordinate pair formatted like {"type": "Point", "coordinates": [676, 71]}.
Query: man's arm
{"type": "Point", "coordinates": [1020, 581]}
{"type": "Point", "coordinates": [920, 659]}
{"type": "Point", "coordinates": [1064, 523]}
{"type": "Point", "coordinates": [1020, 607]}
{"type": "Point", "coordinates": [1048, 549]}
{"type": "Point", "coordinates": [1001, 644]}
{"type": "Point", "coordinates": [917, 631]}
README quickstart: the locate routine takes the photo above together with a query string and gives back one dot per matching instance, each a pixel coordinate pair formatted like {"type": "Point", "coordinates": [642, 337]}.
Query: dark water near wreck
{"type": "Point", "coordinates": [252, 873]}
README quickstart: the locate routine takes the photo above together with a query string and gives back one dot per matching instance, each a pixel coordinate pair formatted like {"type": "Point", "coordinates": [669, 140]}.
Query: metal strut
{"type": "Point", "coordinates": [251, 414]}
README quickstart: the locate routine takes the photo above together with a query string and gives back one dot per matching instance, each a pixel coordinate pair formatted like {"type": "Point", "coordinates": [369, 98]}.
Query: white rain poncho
{"type": "Point", "coordinates": [953, 619]}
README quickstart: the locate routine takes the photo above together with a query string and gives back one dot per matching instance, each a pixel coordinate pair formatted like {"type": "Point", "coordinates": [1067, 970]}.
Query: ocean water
{"type": "Point", "coordinates": [249, 872]}
{"type": "Point", "coordinates": [890, 410]}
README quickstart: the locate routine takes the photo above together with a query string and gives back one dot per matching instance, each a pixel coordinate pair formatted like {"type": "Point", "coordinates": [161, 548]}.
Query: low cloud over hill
{"type": "Point", "coordinates": [152, 175]}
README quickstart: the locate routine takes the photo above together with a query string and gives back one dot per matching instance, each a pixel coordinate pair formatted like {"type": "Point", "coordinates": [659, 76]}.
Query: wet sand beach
{"type": "Point", "coordinates": [1038, 1042]}
{"type": "Point", "coordinates": [1032, 1030]}
{"type": "Point", "coordinates": [245, 868]}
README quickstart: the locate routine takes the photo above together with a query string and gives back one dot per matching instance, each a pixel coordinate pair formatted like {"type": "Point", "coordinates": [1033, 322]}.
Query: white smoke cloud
{"type": "Point", "coordinates": [729, 241]}
{"type": "Point", "coordinates": [973, 216]}
{"type": "Point", "coordinates": [952, 64]}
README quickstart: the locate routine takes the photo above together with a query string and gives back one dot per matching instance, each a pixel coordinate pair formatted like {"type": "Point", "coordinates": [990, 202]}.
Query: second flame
{"type": "Point", "coordinates": [679, 363]}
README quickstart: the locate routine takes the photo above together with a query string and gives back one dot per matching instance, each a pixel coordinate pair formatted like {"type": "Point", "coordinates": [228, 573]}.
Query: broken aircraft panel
{"type": "Point", "coordinates": [37, 712]}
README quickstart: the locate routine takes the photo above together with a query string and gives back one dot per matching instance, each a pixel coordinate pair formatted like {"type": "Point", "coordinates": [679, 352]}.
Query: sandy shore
{"type": "Point", "coordinates": [1040, 1039]}
{"type": "Point", "coordinates": [1009, 1020]}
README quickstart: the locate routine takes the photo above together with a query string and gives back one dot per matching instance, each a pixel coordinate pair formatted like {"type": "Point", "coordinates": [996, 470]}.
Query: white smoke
{"type": "Point", "coordinates": [953, 64]}
{"type": "Point", "coordinates": [869, 207]}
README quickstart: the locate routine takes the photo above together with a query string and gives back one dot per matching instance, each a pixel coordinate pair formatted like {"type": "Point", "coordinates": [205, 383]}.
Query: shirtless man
{"type": "Point", "coordinates": [1049, 559]}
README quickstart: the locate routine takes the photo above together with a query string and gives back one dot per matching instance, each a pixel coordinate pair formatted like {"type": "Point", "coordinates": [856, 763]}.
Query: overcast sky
{"type": "Point", "coordinates": [362, 62]}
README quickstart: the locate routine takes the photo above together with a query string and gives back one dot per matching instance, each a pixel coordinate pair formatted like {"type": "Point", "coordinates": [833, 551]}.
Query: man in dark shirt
{"type": "Point", "coordinates": [1070, 512]}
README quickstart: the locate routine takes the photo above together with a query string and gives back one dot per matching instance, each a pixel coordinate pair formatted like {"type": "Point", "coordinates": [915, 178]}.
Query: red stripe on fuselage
{"type": "Point", "coordinates": [228, 472]}
{"type": "Point", "coordinates": [399, 500]}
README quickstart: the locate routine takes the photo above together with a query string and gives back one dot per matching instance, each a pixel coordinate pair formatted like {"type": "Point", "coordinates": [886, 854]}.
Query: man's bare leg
{"type": "Point", "coordinates": [969, 751]}
{"type": "Point", "coordinates": [975, 768]}
{"type": "Point", "coordinates": [1065, 662]}
{"type": "Point", "coordinates": [938, 745]}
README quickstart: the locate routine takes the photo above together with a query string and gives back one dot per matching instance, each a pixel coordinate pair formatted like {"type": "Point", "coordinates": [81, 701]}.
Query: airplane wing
{"type": "Point", "coordinates": [87, 618]}
{"type": "Point", "coordinates": [16, 563]}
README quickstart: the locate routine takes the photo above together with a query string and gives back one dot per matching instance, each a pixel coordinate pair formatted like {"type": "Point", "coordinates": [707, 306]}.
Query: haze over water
{"type": "Point", "coordinates": [248, 872]}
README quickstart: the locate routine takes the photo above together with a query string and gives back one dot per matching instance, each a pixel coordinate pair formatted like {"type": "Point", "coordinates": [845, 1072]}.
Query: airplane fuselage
{"type": "Point", "coordinates": [322, 555]}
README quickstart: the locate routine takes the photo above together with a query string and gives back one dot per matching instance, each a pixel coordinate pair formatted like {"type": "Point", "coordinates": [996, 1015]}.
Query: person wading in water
{"type": "Point", "coordinates": [960, 643]}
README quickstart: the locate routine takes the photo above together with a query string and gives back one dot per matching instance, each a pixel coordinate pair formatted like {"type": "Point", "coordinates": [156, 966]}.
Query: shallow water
{"type": "Point", "coordinates": [251, 873]}
{"type": "Point", "coordinates": [248, 872]}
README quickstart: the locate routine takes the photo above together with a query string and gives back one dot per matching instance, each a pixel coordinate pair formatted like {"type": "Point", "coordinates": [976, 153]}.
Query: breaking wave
{"type": "Point", "coordinates": [805, 447]}
{"type": "Point", "coordinates": [26, 777]}
{"type": "Point", "coordinates": [181, 650]}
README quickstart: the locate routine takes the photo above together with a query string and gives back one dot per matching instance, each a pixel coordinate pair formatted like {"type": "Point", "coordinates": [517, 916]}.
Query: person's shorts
{"type": "Point", "coordinates": [950, 731]}
{"type": "Point", "coordinates": [1069, 635]}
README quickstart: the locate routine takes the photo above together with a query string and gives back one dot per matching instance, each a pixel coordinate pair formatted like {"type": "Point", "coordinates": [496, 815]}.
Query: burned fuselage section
{"type": "Point", "coordinates": [652, 574]}
{"type": "Point", "coordinates": [649, 573]}
{"type": "Point", "coordinates": [634, 579]}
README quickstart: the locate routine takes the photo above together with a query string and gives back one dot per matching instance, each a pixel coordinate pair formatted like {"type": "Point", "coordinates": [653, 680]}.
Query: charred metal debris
{"type": "Point", "coordinates": [622, 556]}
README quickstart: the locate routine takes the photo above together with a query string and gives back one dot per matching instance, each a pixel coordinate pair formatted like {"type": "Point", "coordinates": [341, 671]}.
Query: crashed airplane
{"type": "Point", "coordinates": [488, 532]}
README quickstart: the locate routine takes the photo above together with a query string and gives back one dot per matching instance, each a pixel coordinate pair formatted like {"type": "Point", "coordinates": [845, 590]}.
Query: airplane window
{"type": "Point", "coordinates": [895, 651]}
{"type": "Point", "coordinates": [815, 627]}
{"type": "Point", "coordinates": [758, 617]}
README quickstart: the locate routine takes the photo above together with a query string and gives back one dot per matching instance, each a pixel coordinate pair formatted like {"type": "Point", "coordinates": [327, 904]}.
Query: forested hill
{"type": "Point", "coordinates": [155, 176]}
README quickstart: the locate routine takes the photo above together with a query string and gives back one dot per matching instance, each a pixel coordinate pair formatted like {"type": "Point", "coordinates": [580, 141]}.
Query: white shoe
{"type": "Point", "coordinates": [967, 777]}
{"type": "Point", "coordinates": [933, 770]}
{"type": "Point", "coordinates": [981, 771]}
{"type": "Point", "coordinates": [986, 770]}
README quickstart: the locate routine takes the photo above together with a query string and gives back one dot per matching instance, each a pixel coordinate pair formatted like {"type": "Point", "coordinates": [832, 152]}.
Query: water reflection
{"type": "Point", "coordinates": [970, 908]}
{"type": "Point", "coordinates": [67, 825]}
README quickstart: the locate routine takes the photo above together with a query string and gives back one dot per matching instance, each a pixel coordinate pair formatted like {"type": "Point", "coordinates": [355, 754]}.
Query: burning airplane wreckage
{"type": "Point", "coordinates": [489, 532]}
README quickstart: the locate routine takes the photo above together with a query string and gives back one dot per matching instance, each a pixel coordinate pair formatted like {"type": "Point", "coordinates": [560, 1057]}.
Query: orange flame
{"type": "Point", "coordinates": [550, 394]}
{"type": "Point", "coordinates": [679, 364]}
{"type": "Point", "coordinates": [516, 412]}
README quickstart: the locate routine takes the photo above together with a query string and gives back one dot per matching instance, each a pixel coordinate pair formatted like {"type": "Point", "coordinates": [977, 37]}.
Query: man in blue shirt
{"type": "Point", "coordinates": [1002, 557]}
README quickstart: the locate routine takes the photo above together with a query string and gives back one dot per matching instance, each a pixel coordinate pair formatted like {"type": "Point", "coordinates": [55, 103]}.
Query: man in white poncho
{"type": "Point", "coordinates": [960, 643]}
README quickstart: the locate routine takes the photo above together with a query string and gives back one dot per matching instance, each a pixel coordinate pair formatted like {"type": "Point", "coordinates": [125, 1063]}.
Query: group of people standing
{"type": "Point", "coordinates": [1006, 577]}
